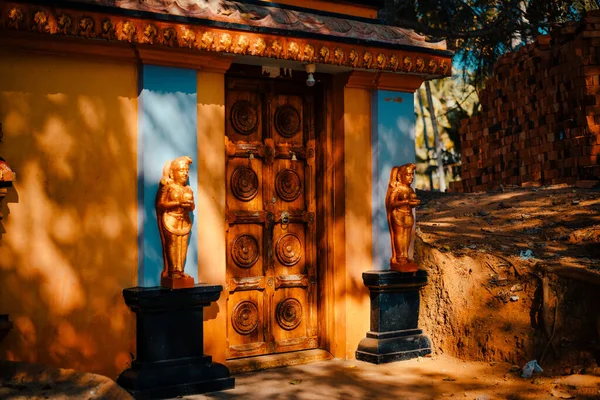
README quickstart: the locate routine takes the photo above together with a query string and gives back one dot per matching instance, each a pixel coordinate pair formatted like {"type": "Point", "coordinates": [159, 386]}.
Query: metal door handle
{"type": "Point", "coordinates": [285, 217]}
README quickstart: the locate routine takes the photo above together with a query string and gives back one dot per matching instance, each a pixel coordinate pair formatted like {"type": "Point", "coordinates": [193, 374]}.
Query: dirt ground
{"type": "Point", "coordinates": [437, 377]}
{"type": "Point", "coordinates": [514, 275]}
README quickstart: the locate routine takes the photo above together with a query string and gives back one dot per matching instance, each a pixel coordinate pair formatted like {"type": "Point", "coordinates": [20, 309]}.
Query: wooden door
{"type": "Point", "coordinates": [270, 208]}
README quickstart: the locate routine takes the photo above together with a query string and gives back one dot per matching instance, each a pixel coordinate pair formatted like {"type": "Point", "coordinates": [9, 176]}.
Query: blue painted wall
{"type": "Point", "coordinates": [167, 129]}
{"type": "Point", "coordinates": [392, 143]}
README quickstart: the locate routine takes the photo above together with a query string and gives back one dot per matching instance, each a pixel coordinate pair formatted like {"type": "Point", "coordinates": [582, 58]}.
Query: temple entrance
{"type": "Point", "coordinates": [271, 222]}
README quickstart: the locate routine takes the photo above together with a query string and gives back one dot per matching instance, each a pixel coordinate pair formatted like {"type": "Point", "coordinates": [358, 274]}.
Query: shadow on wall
{"type": "Point", "coordinates": [70, 239]}
{"type": "Point", "coordinates": [358, 212]}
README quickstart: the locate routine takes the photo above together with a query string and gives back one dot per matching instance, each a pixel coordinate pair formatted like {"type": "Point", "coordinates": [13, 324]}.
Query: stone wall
{"type": "Point", "coordinates": [540, 115]}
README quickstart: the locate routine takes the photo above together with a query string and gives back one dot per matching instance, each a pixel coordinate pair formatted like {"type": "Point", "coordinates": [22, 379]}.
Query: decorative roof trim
{"type": "Point", "coordinates": [168, 34]}
{"type": "Point", "coordinates": [264, 17]}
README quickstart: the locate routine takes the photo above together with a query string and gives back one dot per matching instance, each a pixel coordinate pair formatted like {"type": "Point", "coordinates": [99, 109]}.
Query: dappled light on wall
{"type": "Point", "coordinates": [70, 240]}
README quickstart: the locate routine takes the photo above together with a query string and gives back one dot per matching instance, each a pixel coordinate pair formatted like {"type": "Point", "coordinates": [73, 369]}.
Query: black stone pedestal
{"type": "Point", "coordinates": [394, 334]}
{"type": "Point", "coordinates": [170, 358]}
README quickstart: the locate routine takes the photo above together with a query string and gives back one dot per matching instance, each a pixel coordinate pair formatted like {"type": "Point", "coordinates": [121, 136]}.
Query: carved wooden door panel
{"type": "Point", "coordinates": [271, 238]}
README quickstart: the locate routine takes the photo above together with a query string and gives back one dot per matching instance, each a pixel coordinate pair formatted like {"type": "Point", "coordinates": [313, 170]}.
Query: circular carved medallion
{"type": "Point", "coordinates": [289, 249]}
{"type": "Point", "coordinates": [245, 317]}
{"type": "Point", "coordinates": [289, 314]}
{"type": "Point", "coordinates": [244, 183]}
{"type": "Point", "coordinates": [244, 117]}
{"type": "Point", "coordinates": [287, 184]}
{"type": "Point", "coordinates": [287, 120]}
{"type": "Point", "coordinates": [245, 251]}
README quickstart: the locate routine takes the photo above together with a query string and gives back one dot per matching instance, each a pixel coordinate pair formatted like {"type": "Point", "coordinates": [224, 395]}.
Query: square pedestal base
{"type": "Point", "coordinates": [394, 333]}
{"type": "Point", "coordinates": [170, 358]}
{"type": "Point", "coordinates": [390, 349]}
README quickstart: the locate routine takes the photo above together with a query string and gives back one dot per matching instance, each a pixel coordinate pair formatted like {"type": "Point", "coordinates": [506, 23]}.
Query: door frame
{"type": "Point", "coordinates": [331, 210]}
{"type": "Point", "coordinates": [330, 198]}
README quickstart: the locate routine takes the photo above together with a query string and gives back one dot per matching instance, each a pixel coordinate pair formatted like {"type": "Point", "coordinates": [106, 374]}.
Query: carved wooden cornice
{"type": "Point", "coordinates": [203, 40]}
{"type": "Point", "coordinates": [384, 81]}
{"type": "Point", "coordinates": [206, 62]}
{"type": "Point", "coordinates": [269, 17]}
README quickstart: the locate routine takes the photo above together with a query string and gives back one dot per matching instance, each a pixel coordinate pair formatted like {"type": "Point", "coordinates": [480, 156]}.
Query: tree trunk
{"type": "Point", "coordinates": [436, 137]}
{"type": "Point", "coordinates": [429, 172]}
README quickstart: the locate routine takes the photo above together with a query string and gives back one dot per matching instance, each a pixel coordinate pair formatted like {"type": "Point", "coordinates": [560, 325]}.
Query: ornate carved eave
{"type": "Point", "coordinates": [228, 27]}
{"type": "Point", "coordinates": [270, 18]}
{"type": "Point", "coordinates": [384, 81]}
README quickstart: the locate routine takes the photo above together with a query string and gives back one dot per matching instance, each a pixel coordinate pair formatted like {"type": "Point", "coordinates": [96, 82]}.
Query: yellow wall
{"type": "Point", "coordinates": [69, 239]}
{"type": "Point", "coordinates": [211, 200]}
{"type": "Point", "coordinates": [357, 145]}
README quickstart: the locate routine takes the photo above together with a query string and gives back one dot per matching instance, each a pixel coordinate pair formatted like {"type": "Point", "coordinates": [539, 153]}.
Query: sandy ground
{"type": "Point", "coordinates": [436, 377]}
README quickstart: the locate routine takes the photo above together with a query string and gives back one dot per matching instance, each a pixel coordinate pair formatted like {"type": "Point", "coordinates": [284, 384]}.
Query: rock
{"type": "Point", "coordinates": [502, 282]}
{"type": "Point", "coordinates": [516, 288]}
{"type": "Point", "coordinates": [32, 381]}
{"type": "Point", "coordinates": [483, 213]}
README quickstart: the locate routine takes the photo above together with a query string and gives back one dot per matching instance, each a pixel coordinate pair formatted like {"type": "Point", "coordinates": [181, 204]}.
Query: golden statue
{"type": "Point", "coordinates": [174, 204]}
{"type": "Point", "coordinates": [399, 202]}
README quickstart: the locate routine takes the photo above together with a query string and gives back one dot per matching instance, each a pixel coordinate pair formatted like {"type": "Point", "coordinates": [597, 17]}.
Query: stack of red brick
{"type": "Point", "coordinates": [540, 116]}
